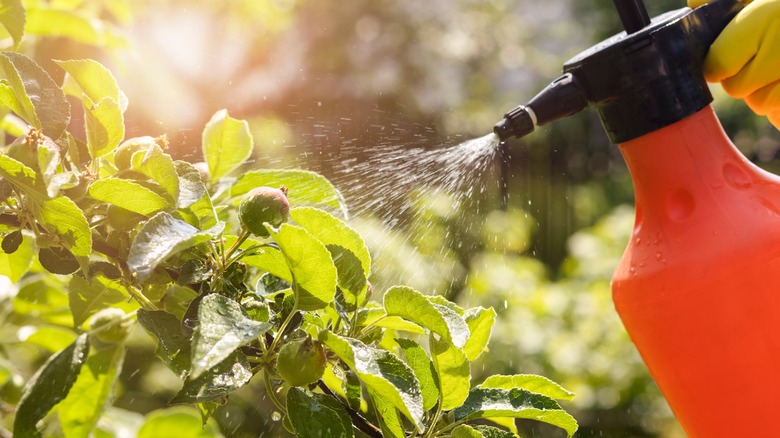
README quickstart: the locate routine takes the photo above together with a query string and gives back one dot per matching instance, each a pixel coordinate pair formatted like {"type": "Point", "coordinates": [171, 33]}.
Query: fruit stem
{"type": "Point", "coordinates": [432, 427]}
{"type": "Point", "coordinates": [286, 321]}
{"type": "Point", "coordinates": [241, 238]}
{"type": "Point", "coordinates": [270, 391]}
{"type": "Point", "coordinates": [141, 298]}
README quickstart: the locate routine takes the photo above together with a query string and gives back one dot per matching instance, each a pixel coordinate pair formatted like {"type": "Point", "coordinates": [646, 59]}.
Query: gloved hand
{"type": "Point", "coordinates": [745, 58]}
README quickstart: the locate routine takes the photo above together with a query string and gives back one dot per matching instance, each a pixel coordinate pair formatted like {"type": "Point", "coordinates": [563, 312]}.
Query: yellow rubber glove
{"type": "Point", "coordinates": [745, 58]}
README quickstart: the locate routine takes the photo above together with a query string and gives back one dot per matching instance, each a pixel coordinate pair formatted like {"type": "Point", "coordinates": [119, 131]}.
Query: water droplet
{"type": "Point", "coordinates": [276, 416]}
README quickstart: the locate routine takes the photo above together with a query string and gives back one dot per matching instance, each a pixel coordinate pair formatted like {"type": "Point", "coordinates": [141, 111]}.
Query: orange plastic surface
{"type": "Point", "coordinates": [698, 288]}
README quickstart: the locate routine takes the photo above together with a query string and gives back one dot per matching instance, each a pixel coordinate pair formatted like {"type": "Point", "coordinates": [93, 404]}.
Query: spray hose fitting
{"type": "Point", "coordinates": [562, 98]}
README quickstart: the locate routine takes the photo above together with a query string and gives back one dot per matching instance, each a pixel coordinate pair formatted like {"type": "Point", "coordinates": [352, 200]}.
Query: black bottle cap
{"type": "Point", "coordinates": [642, 81]}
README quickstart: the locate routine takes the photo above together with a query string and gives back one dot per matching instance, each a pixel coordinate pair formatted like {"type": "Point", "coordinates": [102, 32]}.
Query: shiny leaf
{"type": "Point", "coordinates": [453, 371]}
{"type": "Point", "coordinates": [514, 403]}
{"type": "Point", "coordinates": [382, 372]}
{"type": "Point", "coordinates": [223, 326]}
{"type": "Point", "coordinates": [128, 195]}
{"type": "Point", "coordinates": [227, 143]}
{"type": "Point", "coordinates": [317, 415]}
{"type": "Point", "coordinates": [309, 261]}
{"type": "Point", "coordinates": [92, 392]}
{"type": "Point", "coordinates": [161, 237]}
{"type": "Point", "coordinates": [217, 382]}
{"type": "Point", "coordinates": [409, 304]}
{"type": "Point", "coordinates": [50, 385]}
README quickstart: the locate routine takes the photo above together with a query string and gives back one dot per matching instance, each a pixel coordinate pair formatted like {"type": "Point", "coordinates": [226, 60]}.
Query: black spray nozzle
{"type": "Point", "coordinates": [639, 80]}
{"type": "Point", "coordinates": [562, 98]}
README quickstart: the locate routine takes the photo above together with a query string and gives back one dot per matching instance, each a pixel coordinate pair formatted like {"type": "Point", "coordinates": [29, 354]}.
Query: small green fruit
{"type": "Point", "coordinates": [117, 329]}
{"type": "Point", "coordinates": [261, 205]}
{"type": "Point", "coordinates": [301, 362]}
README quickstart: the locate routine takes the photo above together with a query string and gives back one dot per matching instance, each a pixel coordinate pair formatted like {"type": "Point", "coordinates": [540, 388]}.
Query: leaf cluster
{"type": "Point", "coordinates": [109, 222]}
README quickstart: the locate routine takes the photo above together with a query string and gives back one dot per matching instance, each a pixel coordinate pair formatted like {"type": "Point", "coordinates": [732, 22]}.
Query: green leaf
{"type": "Point", "coordinates": [32, 94]}
{"type": "Point", "coordinates": [43, 298]}
{"type": "Point", "coordinates": [105, 126]}
{"type": "Point", "coordinates": [317, 415]}
{"type": "Point", "coordinates": [128, 195]}
{"type": "Point", "coordinates": [51, 337]}
{"type": "Point", "coordinates": [480, 322]}
{"type": "Point", "coordinates": [176, 422]}
{"type": "Point", "coordinates": [191, 188]}
{"type": "Point", "coordinates": [480, 431]}
{"type": "Point", "coordinates": [74, 25]}
{"type": "Point", "coordinates": [87, 297]}
{"type": "Point", "coordinates": [423, 369]}
{"type": "Point", "coordinates": [161, 237]}
{"type": "Point", "coordinates": [409, 304]}
{"type": "Point", "coordinates": [63, 217]}
{"type": "Point", "coordinates": [12, 17]}
{"type": "Point", "coordinates": [353, 391]}
{"type": "Point", "coordinates": [91, 78]}
{"type": "Point", "coordinates": [173, 347]}
{"type": "Point", "coordinates": [223, 326]}
{"type": "Point", "coordinates": [217, 382]}
{"type": "Point", "coordinates": [388, 416]}
{"type": "Point", "coordinates": [382, 372]}
{"type": "Point", "coordinates": [305, 188]}
{"type": "Point", "coordinates": [494, 432]}
{"type": "Point", "coordinates": [312, 268]}
{"type": "Point", "coordinates": [207, 410]}
{"type": "Point", "coordinates": [529, 382]}
{"type": "Point", "coordinates": [269, 260]}
{"type": "Point", "coordinates": [453, 371]}
{"type": "Point", "coordinates": [159, 167]}
{"type": "Point", "coordinates": [349, 251]}
{"type": "Point", "coordinates": [22, 177]}
{"type": "Point", "coordinates": [103, 101]}
{"type": "Point", "coordinates": [50, 385]}
{"type": "Point", "coordinates": [227, 143]}
{"type": "Point", "coordinates": [466, 431]}
{"type": "Point", "coordinates": [378, 317]}
{"type": "Point", "coordinates": [88, 397]}
{"type": "Point", "coordinates": [204, 210]}
{"type": "Point", "coordinates": [15, 265]}
{"type": "Point", "coordinates": [514, 403]}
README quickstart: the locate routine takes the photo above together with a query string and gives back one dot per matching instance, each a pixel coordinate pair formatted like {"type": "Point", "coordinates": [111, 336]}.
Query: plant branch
{"type": "Point", "coordinates": [10, 219]}
{"type": "Point", "coordinates": [358, 420]}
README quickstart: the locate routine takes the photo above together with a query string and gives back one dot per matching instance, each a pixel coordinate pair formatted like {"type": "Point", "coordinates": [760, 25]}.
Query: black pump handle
{"type": "Point", "coordinates": [632, 14]}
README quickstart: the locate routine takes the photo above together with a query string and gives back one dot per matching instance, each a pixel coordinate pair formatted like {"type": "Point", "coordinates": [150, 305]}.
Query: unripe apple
{"type": "Point", "coordinates": [301, 361]}
{"type": "Point", "coordinates": [263, 204]}
{"type": "Point", "coordinates": [117, 329]}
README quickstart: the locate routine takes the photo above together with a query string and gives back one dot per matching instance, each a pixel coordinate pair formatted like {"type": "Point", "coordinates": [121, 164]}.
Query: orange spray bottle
{"type": "Point", "coordinates": [698, 287]}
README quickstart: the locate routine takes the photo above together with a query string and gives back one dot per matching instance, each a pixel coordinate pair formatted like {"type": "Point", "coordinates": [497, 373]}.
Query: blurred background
{"type": "Point", "coordinates": [329, 85]}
